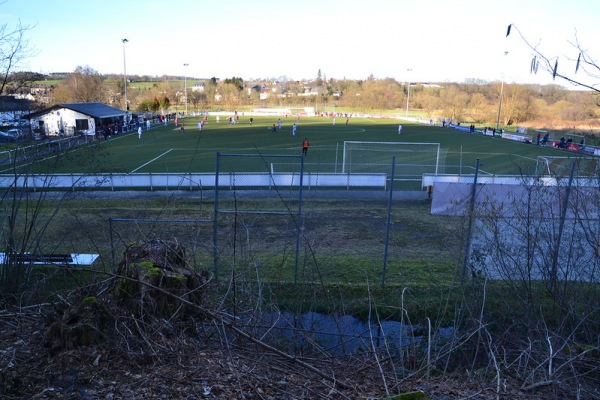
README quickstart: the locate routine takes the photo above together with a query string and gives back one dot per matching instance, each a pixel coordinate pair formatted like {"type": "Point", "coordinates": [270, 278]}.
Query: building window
{"type": "Point", "coordinates": [81, 125]}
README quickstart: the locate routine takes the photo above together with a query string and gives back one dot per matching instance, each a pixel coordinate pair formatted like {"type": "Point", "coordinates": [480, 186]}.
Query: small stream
{"type": "Point", "coordinates": [337, 335]}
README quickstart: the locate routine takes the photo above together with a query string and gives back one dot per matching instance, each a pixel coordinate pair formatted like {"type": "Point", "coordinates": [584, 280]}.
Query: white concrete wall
{"type": "Point", "coordinates": [191, 181]}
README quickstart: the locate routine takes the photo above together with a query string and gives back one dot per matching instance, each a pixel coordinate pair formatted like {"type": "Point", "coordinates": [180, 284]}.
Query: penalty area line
{"type": "Point", "coordinates": [312, 129]}
{"type": "Point", "coordinates": [154, 159]}
{"type": "Point", "coordinates": [525, 157]}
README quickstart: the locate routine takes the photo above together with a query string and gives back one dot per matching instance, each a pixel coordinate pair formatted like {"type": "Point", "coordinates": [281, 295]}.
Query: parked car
{"type": "Point", "coordinates": [16, 132]}
{"type": "Point", "coordinates": [6, 137]}
{"type": "Point", "coordinates": [38, 136]}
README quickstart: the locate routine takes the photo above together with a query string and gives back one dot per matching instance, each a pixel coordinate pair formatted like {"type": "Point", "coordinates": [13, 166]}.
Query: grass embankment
{"type": "Point", "coordinates": [340, 257]}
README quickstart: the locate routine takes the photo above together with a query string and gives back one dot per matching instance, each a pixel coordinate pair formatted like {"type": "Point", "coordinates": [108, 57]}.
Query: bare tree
{"type": "Point", "coordinates": [456, 102]}
{"type": "Point", "coordinates": [83, 85]}
{"type": "Point", "coordinates": [198, 100]}
{"type": "Point", "coordinates": [14, 48]}
{"type": "Point", "coordinates": [584, 62]}
{"type": "Point", "coordinates": [230, 94]}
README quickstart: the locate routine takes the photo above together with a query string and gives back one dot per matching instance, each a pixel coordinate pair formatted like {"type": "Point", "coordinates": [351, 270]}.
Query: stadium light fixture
{"type": "Point", "coordinates": [501, 95]}
{"type": "Point", "coordinates": [125, 78]}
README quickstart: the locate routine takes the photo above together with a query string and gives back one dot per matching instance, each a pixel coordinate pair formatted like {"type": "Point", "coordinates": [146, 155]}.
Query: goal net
{"type": "Point", "coordinates": [578, 139]}
{"type": "Point", "coordinates": [412, 159]}
{"type": "Point", "coordinates": [561, 166]}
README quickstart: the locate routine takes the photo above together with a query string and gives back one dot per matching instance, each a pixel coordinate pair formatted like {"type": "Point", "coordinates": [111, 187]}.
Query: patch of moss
{"type": "Point", "coordinates": [123, 289]}
{"type": "Point", "coordinates": [89, 300]}
{"type": "Point", "coordinates": [145, 265]}
{"type": "Point", "coordinates": [418, 395]}
{"type": "Point", "coordinates": [154, 271]}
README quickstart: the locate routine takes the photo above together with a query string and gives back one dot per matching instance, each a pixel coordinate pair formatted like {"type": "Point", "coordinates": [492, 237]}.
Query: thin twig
{"type": "Point", "coordinates": [230, 325]}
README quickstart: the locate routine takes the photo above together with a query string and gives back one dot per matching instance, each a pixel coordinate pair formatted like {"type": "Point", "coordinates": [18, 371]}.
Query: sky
{"type": "Point", "coordinates": [408, 40]}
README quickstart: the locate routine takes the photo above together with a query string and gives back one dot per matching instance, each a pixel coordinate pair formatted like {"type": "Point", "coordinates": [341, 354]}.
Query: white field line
{"type": "Point", "coordinates": [154, 159]}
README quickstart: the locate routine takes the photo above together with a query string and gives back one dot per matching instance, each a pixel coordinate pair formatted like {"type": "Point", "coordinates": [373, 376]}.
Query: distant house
{"type": "Point", "coordinates": [74, 118]}
{"type": "Point", "coordinates": [42, 93]}
{"type": "Point", "coordinates": [198, 87]}
{"type": "Point", "coordinates": [431, 85]}
{"type": "Point", "coordinates": [264, 93]}
{"type": "Point", "coordinates": [310, 91]}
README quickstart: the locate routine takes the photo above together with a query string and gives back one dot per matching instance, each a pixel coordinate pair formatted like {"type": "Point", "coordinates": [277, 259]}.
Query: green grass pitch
{"type": "Point", "coordinates": [167, 149]}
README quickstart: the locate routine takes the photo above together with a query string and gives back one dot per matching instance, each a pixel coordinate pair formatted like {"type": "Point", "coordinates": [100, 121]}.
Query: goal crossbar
{"type": "Point", "coordinates": [411, 153]}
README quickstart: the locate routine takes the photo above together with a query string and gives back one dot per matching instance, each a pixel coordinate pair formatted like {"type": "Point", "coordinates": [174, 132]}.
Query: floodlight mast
{"type": "Point", "coordinates": [501, 95]}
{"type": "Point", "coordinates": [125, 79]}
{"type": "Point", "coordinates": [408, 93]}
{"type": "Point", "coordinates": [185, 89]}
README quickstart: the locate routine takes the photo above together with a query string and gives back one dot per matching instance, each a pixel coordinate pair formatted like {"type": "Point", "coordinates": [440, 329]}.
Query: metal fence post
{"type": "Point", "coordinates": [561, 226]}
{"type": "Point", "coordinates": [112, 245]}
{"type": "Point", "coordinates": [470, 227]}
{"type": "Point", "coordinates": [388, 222]}
{"type": "Point", "coordinates": [215, 214]}
{"type": "Point", "coordinates": [299, 220]}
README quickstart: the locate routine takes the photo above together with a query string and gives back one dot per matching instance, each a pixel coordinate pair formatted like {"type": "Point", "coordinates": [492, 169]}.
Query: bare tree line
{"type": "Point", "coordinates": [473, 101]}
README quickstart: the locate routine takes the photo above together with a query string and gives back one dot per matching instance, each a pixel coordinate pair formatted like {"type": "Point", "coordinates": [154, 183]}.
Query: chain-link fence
{"type": "Point", "coordinates": [21, 154]}
{"type": "Point", "coordinates": [544, 229]}
{"type": "Point", "coordinates": [288, 227]}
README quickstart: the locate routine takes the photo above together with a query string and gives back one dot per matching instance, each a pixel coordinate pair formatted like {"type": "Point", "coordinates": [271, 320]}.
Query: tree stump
{"type": "Point", "coordinates": [82, 324]}
{"type": "Point", "coordinates": [156, 281]}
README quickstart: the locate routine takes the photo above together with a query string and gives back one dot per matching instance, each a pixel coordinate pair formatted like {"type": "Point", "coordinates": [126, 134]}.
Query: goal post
{"type": "Point", "coordinates": [561, 165]}
{"type": "Point", "coordinates": [412, 159]}
{"type": "Point", "coordinates": [578, 139]}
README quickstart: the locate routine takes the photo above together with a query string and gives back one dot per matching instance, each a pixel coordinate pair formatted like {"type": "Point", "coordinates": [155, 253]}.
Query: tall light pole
{"type": "Point", "coordinates": [408, 93]}
{"type": "Point", "coordinates": [501, 95]}
{"type": "Point", "coordinates": [125, 78]}
{"type": "Point", "coordinates": [185, 88]}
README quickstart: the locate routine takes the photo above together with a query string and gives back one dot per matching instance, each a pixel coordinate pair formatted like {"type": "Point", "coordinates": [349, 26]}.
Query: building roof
{"type": "Point", "coordinates": [96, 110]}
{"type": "Point", "coordinates": [12, 103]}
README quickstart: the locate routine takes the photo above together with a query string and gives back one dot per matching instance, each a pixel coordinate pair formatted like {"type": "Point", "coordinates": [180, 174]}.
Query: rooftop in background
{"type": "Point", "coordinates": [97, 110]}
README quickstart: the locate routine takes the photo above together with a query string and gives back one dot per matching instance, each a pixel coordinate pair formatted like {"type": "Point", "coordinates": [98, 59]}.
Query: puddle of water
{"type": "Point", "coordinates": [337, 334]}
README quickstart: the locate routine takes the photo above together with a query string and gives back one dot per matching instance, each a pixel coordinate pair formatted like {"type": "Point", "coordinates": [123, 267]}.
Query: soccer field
{"type": "Point", "coordinates": [167, 149]}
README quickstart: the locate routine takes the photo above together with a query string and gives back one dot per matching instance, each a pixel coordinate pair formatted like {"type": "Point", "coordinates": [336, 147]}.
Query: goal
{"type": "Point", "coordinates": [561, 166]}
{"type": "Point", "coordinates": [412, 159]}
